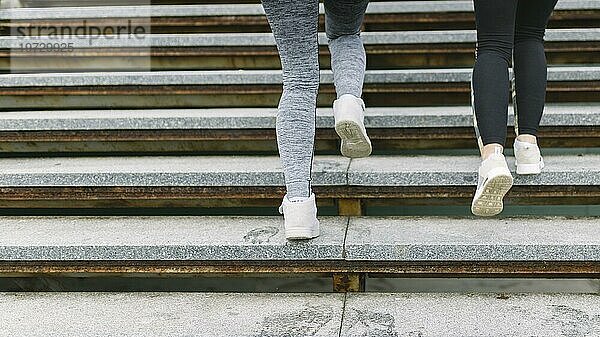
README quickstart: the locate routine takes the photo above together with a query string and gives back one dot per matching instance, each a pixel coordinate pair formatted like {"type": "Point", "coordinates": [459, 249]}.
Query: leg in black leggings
{"type": "Point", "coordinates": [530, 63]}
{"type": "Point", "coordinates": [502, 25]}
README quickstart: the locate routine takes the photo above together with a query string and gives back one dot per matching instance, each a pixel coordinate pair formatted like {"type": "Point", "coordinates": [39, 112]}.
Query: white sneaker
{"type": "Point", "coordinates": [349, 114]}
{"type": "Point", "coordinates": [300, 218]}
{"type": "Point", "coordinates": [494, 182]}
{"type": "Point", "coordinates": [528, 158]}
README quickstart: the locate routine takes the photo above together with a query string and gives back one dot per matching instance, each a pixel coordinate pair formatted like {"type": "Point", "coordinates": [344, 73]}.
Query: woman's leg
{"type": "Point", "coordinates": [530, 65]}
{"type": "Point", "coordinates": [343, 19]}
{"type": "Point", "coordinates": [529, 62]}
{"type": "Point", "coordinates": [495, 21]}
{"type": "Point", "coordinates": [294, 24]}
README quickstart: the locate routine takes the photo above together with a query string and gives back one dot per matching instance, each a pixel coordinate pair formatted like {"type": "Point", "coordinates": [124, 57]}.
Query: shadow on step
{"type": "Point", "coordinates": [299, 284]}
{"type": "Point", "coordinates": [370, 209]}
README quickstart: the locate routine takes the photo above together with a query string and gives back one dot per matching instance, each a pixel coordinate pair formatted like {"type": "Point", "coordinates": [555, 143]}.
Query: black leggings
{"type": "Point", "coordinates": [504, 25]}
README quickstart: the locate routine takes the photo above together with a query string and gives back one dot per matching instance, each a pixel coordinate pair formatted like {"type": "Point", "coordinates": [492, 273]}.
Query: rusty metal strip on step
{"type": "Point", "coordinates": [253, 196]}
{"type": "Point", "coordinates": [545, 269]}
{"type": "Point", "coordinates": [458, 87]}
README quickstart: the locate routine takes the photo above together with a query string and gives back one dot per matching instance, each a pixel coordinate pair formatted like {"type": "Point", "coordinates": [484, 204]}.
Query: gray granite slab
{"type": "Point", "coordinates": [235, 118]}
{"type": "Point", "coordinates": [161, 171]}
{"type": "Point", "coordinates": [266, 39]}
{"type": "Point", "coordinates": [587, 114]}
{"type": "Point", "coordinates": [471, 315]}
{"type": "Point", "coordinates": [170, 314]}
{"type": "Point", "coordinates": [462, 171]}
{"type": "Point", "coordinates": [365, 314]}
{"type": "Point", "coordinates": [568, 170]}
{"type": "Point", "coordinates": [217, 77]}
{"type": "Point", "coordinates": [473, 239]}
{"type": "Point", "coordinates": [459, 6]}
{"type": "Point", "coordinates": [250, 77]}
{"type": "Point", "coordinates": [140, 11]}
{"type": "Point", "coordinates": [247, 9]}
{"type": "Point", "coordinates": [163, 238]}
{"type": "Point", "coordinates": [462, 75]}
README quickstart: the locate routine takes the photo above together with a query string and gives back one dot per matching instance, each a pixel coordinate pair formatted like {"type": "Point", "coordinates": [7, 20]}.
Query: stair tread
{"type": "Point", "coordinates": [584, 114]}
{"type": "Point", "coordinates": [171, 314]}
{"type": "Point", "coordinates": [164, 238]}
{"type": "Point", "coordinates": [266, 39]}
{"type": "Point", "coordinates": [272, 77]}
{"type": "Point", "coordinates": [299, 314]}
{"type": "Point", "coordinates": [392, 7]}
{"type": "Point", "coordinates": [185, 238]}
{"type": "Point", "coordinates": [567, 170]}
{"type": "Point", "coordinates": [461, 170]}
{"type": "Point", "coordinates": [471, 314]}
{"type": "Point", "coordinates": [162, 171]}
{"type": "Point", "coordinates": [472, 239]}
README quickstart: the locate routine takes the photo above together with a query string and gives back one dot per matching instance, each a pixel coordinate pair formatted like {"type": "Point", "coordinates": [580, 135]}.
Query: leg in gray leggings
{"type": "Point", "coordinates": [295, 26]}
{"type": "Point", "coordinates": [343, 19]}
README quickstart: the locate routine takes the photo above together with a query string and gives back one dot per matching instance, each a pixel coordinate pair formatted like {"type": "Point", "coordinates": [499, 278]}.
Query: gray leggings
{"type": "Point", "coordinates": [294, 24]}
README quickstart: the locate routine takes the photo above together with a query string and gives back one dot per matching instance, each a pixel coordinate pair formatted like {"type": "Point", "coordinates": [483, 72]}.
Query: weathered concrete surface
{"type": "Point", "coordinates": [394, 315]}
{"type": "Point", "coordinates": [278, 315]}
{"type": "Point", "coordinates": [170, 314]}
{"type": "Point", "coordinates": [161, 171]}
{"type": "Point", "coordinates": [473, 239]}
{"type": "Point", "coordinates": [163, 238]}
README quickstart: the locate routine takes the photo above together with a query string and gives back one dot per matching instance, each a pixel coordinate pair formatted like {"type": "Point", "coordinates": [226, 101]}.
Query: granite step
{"type": "Point", "coordinates": [207, 17]}
{"type": "Point", "coordinates": [296, 315]}
{"type": "Point", "coordinates": [385, 50]}
{"type": "Point", "coordinates": [471, 239]}
{"type": "Point", "coordinates": [258, 88]}
{"type": "Point", "coordinates": [243, 9]}
{"type": "Point", "coordinates": [252, 130]}
{"type": "Point", "coordinates": [459, 170]}
{"type": "Point", "coordinates": [164, 238]}
{"type": "Point", "coordinates": [244, 181]}
{"type": "Point", "coordinates": [560, 115]}
{"type": "Point", "coordinates": [422, 170]}
{"type": "Point", "coordinates": [172, 314]}
{"type": "Point", "coordinates": [471, 315]}
{"type": "Point", "coordinates": [264, 77]}
{"type": "Point", "coordinates": [267, 40]}
{"type": "Point", "coordinates": [380, 246]}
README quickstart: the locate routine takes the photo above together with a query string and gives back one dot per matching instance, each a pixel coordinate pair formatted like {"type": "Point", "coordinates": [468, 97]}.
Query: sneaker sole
{"type": "Point", "coordinates": [524, 169]}
{"type": "Point", "coordinates": [355, 143]}
{"type": "Point", "coordinates": [490, 201]}
{"type": "Point", "coordinates": [301, 233]}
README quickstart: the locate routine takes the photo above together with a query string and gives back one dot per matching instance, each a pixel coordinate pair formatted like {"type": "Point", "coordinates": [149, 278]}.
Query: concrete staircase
{"type": "Point", "coordinates": [100, 148]}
